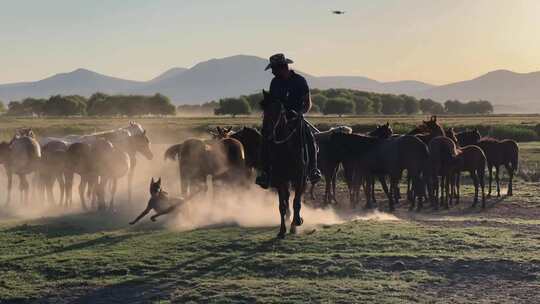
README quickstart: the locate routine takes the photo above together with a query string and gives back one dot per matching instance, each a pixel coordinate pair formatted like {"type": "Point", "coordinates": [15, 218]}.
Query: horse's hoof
{"type": "Point", "coordinates": [281, 235]}
{"type": "Point", "coordinates": [298, 221]}
{"type": "Point", "coordinates": [293, 229]}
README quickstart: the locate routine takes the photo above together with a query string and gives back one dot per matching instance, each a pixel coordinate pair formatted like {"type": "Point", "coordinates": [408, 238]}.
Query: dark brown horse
{"type": "Point", "coordinates": [500, 152]}
{"type": "Point", "coordinates": [357, 154]}
{"type": "Point", "coordinates": [428, 130]}
{"type": "Point", "coordinates": [327, 165]}
{"type": "Point", "coordinates": [473, 160]}
{"type": "Point", "coordinates": [443, 152]}
{"type": "Point", "coordinates": [288, 159]}
{"type": "Point", "coordinates": [395, 155]}
{"type": "Point", "coordinates": [251, 139]}
{"type": "Point", "coordinates": [468, 138]}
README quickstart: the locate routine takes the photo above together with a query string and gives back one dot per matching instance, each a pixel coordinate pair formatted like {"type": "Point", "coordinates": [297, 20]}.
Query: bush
{"type": "Point", "coordinates": [338, 105]}
{"type": "Point", "coordinates": [517, 133]}
{"type": "Point", "coordinates": [233, 106]}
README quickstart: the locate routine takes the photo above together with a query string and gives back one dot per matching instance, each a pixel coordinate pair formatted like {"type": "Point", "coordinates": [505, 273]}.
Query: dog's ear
{"type": "Point", "coordinates": [159, 181]}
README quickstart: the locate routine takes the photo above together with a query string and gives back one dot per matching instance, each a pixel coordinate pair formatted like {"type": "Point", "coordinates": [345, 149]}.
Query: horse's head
{"type": "Point", "coordinates": [221, 133]}
{"type": "Point", "coordinates": [382, 131]}
{"type": "Point", "coordinates": [141, 143]}
{"type": "Point", "coordinates": [273, 113]}
{"type": "Point", "coordinates": [469, 137]}
{"type": "Point", "coordinates": [433, 127]}
{"type": "Point", "coordinates": [155, 187]}
{"type": "Point", "coordinates": [25, 132]}
{"type": "Point", "coordinates": [451, 133]}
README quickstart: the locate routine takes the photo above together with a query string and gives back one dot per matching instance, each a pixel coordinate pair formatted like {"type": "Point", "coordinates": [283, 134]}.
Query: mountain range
{"type": "Point", "coordinates": [243, 74]}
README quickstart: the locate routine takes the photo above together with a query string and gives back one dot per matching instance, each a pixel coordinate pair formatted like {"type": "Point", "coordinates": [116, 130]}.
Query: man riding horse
{"type": "Point", "coordinates": [293, 91]}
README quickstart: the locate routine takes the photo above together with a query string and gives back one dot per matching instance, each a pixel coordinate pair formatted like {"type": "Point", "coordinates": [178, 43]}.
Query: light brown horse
{"type": "Point", "coordinates": [79, 160]}
{"type": "Point", "coordinates": [20, 156]}
{"type": "Point", "coordinates": [51, 169]}
{"type": "Point", "coordinates": [222, 159]}
{"type": "Point", "coordinates": [109, 164]}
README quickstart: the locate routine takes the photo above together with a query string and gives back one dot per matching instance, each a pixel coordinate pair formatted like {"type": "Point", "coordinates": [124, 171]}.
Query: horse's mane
{"type": "Point", "coordinates": [132, 130]}
{"type": "Point", "coordinates": [334, 130]}
{"type": "Point", "coordinates": [250, 129]}
{"type": "Point", "coordinates": [489, 139]}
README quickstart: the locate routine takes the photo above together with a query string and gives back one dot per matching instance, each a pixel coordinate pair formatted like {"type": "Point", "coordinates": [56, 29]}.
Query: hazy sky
{"type": "Point", "coordinates": [436, 41]}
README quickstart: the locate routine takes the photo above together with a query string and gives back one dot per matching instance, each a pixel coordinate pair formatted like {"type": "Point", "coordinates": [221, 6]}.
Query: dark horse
{"type": "Point", "coordinates": [500, 152]}
{"type": "Point", "coordinates": [289, 159]}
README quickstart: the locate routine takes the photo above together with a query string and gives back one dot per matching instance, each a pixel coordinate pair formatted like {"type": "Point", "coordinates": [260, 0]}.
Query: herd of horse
{"type": "Point", "coordinates": [434, 159]}
{"type": "Point", "coordinates": [100, 159]}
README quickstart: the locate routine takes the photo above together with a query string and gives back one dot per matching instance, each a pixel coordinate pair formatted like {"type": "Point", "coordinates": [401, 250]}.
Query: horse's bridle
{"type": "Point", "coordinates": [283, 116]}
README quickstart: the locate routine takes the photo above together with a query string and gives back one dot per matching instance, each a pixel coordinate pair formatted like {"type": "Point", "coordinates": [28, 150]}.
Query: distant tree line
{"type": "Point", "coordinates": [97, 104]}
{"type": "Point", "coordinates": [458, 107]}
{"type": "Point", "coordinates": [351, 102]}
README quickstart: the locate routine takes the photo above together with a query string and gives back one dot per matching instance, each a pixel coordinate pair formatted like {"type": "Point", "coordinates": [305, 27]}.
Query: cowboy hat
{"type": "Point", "coordinates": [278, 59]}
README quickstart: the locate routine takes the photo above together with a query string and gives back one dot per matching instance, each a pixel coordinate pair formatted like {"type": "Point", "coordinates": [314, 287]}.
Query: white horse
{"type": "Point", "coordinates": [130, 139]}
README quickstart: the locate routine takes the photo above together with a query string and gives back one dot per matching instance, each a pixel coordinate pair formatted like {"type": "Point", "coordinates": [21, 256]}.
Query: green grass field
{"type": "Point", "coordinates": [465, 255]}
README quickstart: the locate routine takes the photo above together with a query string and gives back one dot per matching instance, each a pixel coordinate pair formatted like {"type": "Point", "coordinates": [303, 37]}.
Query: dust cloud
{"type": "Point", "coordinates": [245, 207]}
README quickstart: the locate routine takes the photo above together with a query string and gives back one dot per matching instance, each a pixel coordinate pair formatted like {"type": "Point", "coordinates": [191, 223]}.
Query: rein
{"type": "Point", "coordinates": [282, 116]}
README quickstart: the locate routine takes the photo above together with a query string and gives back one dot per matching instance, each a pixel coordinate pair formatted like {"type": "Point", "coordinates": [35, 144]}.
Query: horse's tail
{"type": "Point", "coordinates": [514, 154]}
{"type": "Point", "coordinates": [173, 152]}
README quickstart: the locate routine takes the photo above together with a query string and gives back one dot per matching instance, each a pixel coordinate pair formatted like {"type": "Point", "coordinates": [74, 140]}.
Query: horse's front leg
{"type": "Point", "coordinates": [62, 185]}
{"type": "Point", "coordinates": [9, 184]}
{"type": "Point", "coordinates": [23, 187]}
{"type": "Point", "coordinates": [131, 173]}
{"type": "Point", "coordinates": [82, 188]}
{"type": "Point", "coordinates": [297, 205]}
{"type": "Point", "coordinates": [114, 185]}
{"type": "Point", "coordinates": [283, 207]}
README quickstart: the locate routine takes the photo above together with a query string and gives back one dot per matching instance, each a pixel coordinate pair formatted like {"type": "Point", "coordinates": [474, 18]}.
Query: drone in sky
{"type": "Point", "coordinates": [338, 12]}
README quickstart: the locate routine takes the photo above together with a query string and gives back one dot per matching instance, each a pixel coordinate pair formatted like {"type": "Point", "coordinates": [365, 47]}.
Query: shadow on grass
{"type": "Point", "coordinates": [106, 240]}
{"type": "Point", "coordinates": [72, 224]}
{"type": "Point", "coordinates": [156, 286]}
